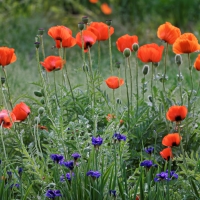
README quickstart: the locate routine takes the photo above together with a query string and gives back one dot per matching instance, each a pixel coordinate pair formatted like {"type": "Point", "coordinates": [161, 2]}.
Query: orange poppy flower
{"type": "Point", "coordinates": [176, 113]}
{"type": "Point", "coordinates": [93, 1]}
{"type": "Point", "coordinates": [59, 34]}
{"type": "Point", "coordinates": [106, 9]}
{"type": "Point", "coordinates": [7, 56]}
{"type": "Point", "coordinates": [114, 82]}
{"type": "Point", "coordinates": [7, 118]}
{"type": "Point", "coordinates": [186, 43]}
{"type": "Point", "coordinates": [126, 41]}
{"type": "Point", "coordinates": [166, 153]}
{"type": "Point", "coordinates": [100, 29]}
{"type": "Point", "coordinates": [150, 53]}
{"type": "Point", "coordinates": [53, 63]}
{"type": "Point", "coordinates": [42, 127]}
{"type": "Point", "coordinates": [110, 117]}
{"type": "Point", "coordinates": [197, 63]}
{"type": "Point", "coordinates": [172, 139]}
{"type": "Point", "coordinates": [168, 33]}
{"type": "Point", "coordinates": [21, 111]}
{"type": "Point", "coordinates": [89, 39]}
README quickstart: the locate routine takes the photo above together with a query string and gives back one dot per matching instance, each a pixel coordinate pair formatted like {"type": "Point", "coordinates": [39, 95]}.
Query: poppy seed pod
{"type": "Point", "coordinates": [118, 64]}
{"type": "Point", "coordinates": [135, 47]}
{"type": "Point", "coordinates": [3, 80]}
{"type": "Point", "coordinates": [150, 98]}
{"type": "Point", "coordinates": [37, 44]}
{"type": "Point", "coordinates": [109, 22]}
{"type": "Point", "coordinates": [127, 52]}
{"type": "Point", "coordinates": [40, 31]}
{"type": "Point", "coordinates": [145, 70]}
{"type": "Point", "coordinates": [155, 64]}
{"type": "Point", "coordinates": [85, 19]}
{"type": "Point", "coordinates": [178, 59]}
{"type": "Point", "coordinates": [41, 110]}
{"type": "Point", "coordinates": [81, 26]}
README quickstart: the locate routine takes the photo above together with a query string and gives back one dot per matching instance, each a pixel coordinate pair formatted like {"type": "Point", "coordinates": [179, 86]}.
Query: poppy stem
{"type": "Point", "coordinates": [152, 93]}
{"type": "Point", "coordinates": [4, 149]}
{"type": "Point", "coordinates": [129, 66]}
{"type": "Point", "coordinates": [9, 96]}
{"type": "Point", "coordinates": [127, 93]}
{"type": "Point", "coordinates": [191, 77]}
{"type": "Point", "coordinates": [180, 85]}
{"type": "Point", "coordinates": [110, 50]}
{"type": "Point", "coordinates": [137, 90]}
{"type": "Point", "coordinates": [165, 65]}
{"type": "Point", "coordinates": [54, 78]}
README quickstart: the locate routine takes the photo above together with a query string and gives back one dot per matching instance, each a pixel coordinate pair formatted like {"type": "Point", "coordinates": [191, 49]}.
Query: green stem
{"type": "Point", "coordinates": [110, 50]}
{"type": "Point", "coordinates": [192, 85]}
{"type": "Point", "coordinates": [4, 149]}
{"type": "Point", "coordinates": [180, 85]}
{"type": "Point", "coordinates": [129, 66]}
{"type": "Point", "coordinates": [9, 96]}
{"type": "Point", "coordinates": [137, 89]}
{"type": "Point", "coordinates": [165, 69]}
{"type": "Point", "coordinates": [54, 78]}
{"type": "Point", "coordinates": [127, 93]}
{"type": "Point", "coordinates": [152, 73]}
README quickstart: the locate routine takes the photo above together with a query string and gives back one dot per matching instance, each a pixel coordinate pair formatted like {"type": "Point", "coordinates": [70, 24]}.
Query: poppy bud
{"type": "Point", "coordinates": [3, 80]}
{"type": "Point", "coordinates": [37, 93]}
{"type": "Point", "coordinates": [85, 68]}
{"type": "Point", "coordinates": [81, 26]}
{"type": "Point", "coordinates": [42, 101]}
{"type": "Point", "coordinates": [178, 59]}
{"type": "Point", "coordinates": [40, 31]}
{"type": "Point", "coordinates": [150, 98]}
{"type": "Point", "coordinates": [127, 52]}
{"type": "Point", "coordinates": [119, 101]}
{"type": "Point", "coordinates": [118, 64]}
{"type": "Point", "coordinates": [37, 44]}
{"type": "Point", "coordinates": [135, 47]}
{"type": "Point", "coordinates": [109, 22]}
{"type": "Point", "coordinates": [145, 70]}
{"type": "Point", "coordinates": [37, 120]}
{"type": "Point", "coordinates": [85, 19]}
{"type": "Point", "coordinates": [41, 110]}
{"type": "Point", "coordinates": [155, 64]}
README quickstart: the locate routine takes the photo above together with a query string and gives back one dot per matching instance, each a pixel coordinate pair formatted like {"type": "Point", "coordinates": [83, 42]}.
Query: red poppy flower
{"type": "Point", "coordinates": [172, 139]}
{"type": "Point", "coordinates": [93, 1]}
{"type": "Point", "coordinates": [114, 82]}
{"type": "Point", "coordinates": [7, 118]}
{"type": "Point", "coordinates": [110, 117]}
{"type": "Point", "coordinates": [126, 41]}
{"type": "Point", "coordinates": [100, 29]}
{"type": "Point", "coordinates": [53, 63]}
{"type": "Point", "coordinates": [105, 8]}
{"type": "Point", "coordinates": [166, 153]}
{"type": "Point", "coordinates": [197, 63]}
{"type": "Point", "coordinates": [89, 39]}
{"type": "Point", "coordinates": [186, 43]}
{"type": "Point", "coordinates": [42, 127]}
{"type": "Point", "coordinates": [59, 34]}
{"type": "Point", "coordinates": [168, 33]}
{"type": "Point", "coordinates": [150, 53]}
{"type": "Point", "coordinates": [176, 113]}
{"type": "Point", "coordinates": [7, 56]}
{"type": "Point", "coordinates": [21, 111]}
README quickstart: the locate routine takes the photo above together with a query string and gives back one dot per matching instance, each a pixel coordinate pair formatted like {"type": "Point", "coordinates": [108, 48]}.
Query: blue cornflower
{"type": "Point", "coordinates": [165, 176]}
{"type": "Point", "coordinates": [149, 150]}
{"type": "Point", "coordinates": [173, 174]}
{"type": "Point", "coordinates": [57, 158]}
{"type": "Point", "coordinates": [76, 156]}
{"type": "Point", "coordinates": [113, 193]}
{"type": "Point", "coordinates": [15, 185]}
{"type": "Point", "coordinates": [148, 164]}
{"type": "Point", "coordinates": [94, 174]}
{"type": "Point", "coordinates": [53, 193]}
{"type": "Point", "coordinates": [20, 170]}
{"type": "Point", "coordinates": [69, 176]}
{"type": "Point", "coordinates": [119, 137]}
{"type": "Point", "coordinates": [69, 164]}
{"type": "Point", "coordinates": [97, 141]}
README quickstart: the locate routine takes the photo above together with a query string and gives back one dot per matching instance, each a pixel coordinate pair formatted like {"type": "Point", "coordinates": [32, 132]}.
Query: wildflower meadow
{"type": "Point", "coordinates": [121, 131]}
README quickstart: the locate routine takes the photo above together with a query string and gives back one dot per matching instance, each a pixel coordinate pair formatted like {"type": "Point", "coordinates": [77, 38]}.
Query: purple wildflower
{"type": "Point", "coordinates": [69, 164]}
{"type": "Point", "coordinates": [113, 193]}
{"type": "Point", "coordinates": [69, 176]}
{"type": "Point", "coordinates": [148, 164]}
{"type": "Point", "coordinates": [53, 193]}
{"type": "Point", "coordinates": [57, 158]}
{"type": "Point", "coordinates": [97, 141]}
{"type": "Point", "coordinates": [94, 174]}
{"type": "Point", "coordinates": [149, 150]}
{"type": "Point", "coordinates": [76, 156]}
{"type": "Point", "coordinates": [166, 176]}
{"type": "Point", "coordinates": [119, 137]}
{"type": "Point", "coordinates": [14, 185]}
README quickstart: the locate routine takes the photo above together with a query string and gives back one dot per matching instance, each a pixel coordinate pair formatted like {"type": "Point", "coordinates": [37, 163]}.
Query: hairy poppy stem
{"type": "Point", "coordinates": [110, 50]}
{"type": "Point", "coordinates": [129, 66]}
{"type": "Point", "coordinates": [127, 93]}
{"type": "Point", "coordinates": [152, 93]}
{"type": "Point", "coordinates": [9, 96]}
{"type": "Point", "coordinates": [192, 85]}
{"type": "Point", "coordinates": [165, 65]}
{"type": "Point", "coordinates": [4, 149]}
{"type": "Point", "coordinates": [137, 90]}
{"type": "Point", "coordinates": [54, 78]}
{"type": "Point", "coordinates": [180, 85]}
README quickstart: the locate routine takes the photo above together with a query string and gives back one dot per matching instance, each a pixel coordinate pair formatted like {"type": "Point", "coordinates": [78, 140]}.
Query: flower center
{"type": "Point", "coordinates": [178, 118]}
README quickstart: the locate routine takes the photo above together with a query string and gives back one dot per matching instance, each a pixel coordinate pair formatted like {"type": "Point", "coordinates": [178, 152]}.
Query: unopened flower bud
{"type": "Point", "coordinates": [85, 68]}
{"type": "Point", "coordinates": [37, 44]}
{"type": "Point", "coordinates": [41, 110]}
{"type": "Point", "coordinates": [178, 59]}
{"type": "Point", "coordinates": [135, 47]}
{"type": "Point", "coordinates": [3, 80]}
{"type": "Point", "coordinates": [85, 19]}
{"type": "Point", "coordinates": [119, 101]}
{"type": "Point", "coordinates": [40, 31]}
{"type": "Point", "coordinates": [145, 69]}
{"type": "Point", "coordinates": [37, 93]}
{"type": "Point", "coordinates": [42, 101]}
{"type": "Point", "coordinates": [150, 98]}
{"type": "Point", "coordinates": [81, 26]}
{"type": "Point", "coordinates": [109, 22]}
{"type": "Point", "coordinates": [118, 64]}
{"type": "Point", "coordinates": [127, 52]}
{"type": "Point", "coordinates": [37, 120]}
